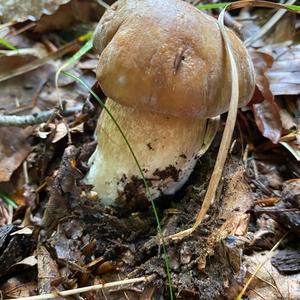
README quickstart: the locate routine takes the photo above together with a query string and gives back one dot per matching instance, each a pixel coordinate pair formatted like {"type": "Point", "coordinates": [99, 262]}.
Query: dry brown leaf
{"type": "Point", "coordinates": [16, 287]}
{"type": "Point", "coordinates": [24, 230]}
{"type": "Point", "coordinates": [47, 270]}
{"type": "Point", "coordinates": [284, 75]}
{"type": "Point", "coordinates": [60, 132]}
{"type": "Point", "coordinates": [20, 10]}
{"type": "Point", "coordinates": [293, 147]}
{"type": "Point", "coordinates": [270, 284]}
{"type": "Point", "coordinates": [50, 14]}
{"type": "Point", "coordinates": [267, 114]}
{"type": "Point", "coordinates": [14, 148]}
{"type": "Point", "coordinates": [267, 118]}
{"type": "Point", "coordinates": [284, 30]}
{"type": "Point", "coordinates": [28, 261]}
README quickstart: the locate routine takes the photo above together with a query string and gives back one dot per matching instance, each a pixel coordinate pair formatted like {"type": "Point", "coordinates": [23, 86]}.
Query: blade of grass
{"type": "Point", "coordinates": [251, 3]}
{"type": "Point", "coordinates": [147, 189]}
{"type": "Point", "coordinates": [8, 200]}
{"type": "Point", "coordinates": [212, 6]}
{"type": "Point", "coordinates": [7, 44]}
{"type": "Point", "coordinates": [83, 50]}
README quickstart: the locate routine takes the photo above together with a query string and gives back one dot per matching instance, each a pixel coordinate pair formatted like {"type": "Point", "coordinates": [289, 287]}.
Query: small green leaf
{"type": "Point", "coordinates": [7, 44]}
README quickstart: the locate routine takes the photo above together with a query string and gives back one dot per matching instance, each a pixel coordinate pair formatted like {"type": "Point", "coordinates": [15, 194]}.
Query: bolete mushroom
{"type": "Point", "coordinates": [164, 68]}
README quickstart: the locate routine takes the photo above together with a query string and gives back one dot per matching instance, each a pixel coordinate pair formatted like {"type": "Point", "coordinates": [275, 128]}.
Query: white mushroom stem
{"type": "Point", "coordinates": [166, 147]}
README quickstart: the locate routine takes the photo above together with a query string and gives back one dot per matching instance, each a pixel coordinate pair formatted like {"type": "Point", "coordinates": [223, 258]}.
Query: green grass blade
{"type": "Point", "coordinates": [224, 4]}
{"type": "Point", "coordinates": [8, 200]}
{"type": "Point", "coordinates": [293, 7]}
{"type": "Point", "coordinates": [83, 50]}
{"type": "Point", "coordinates": [148, 193]}
{"type": "Point", "coordinates": [7, 44]}
{"type": "Point", "coordinates": [212, 6]}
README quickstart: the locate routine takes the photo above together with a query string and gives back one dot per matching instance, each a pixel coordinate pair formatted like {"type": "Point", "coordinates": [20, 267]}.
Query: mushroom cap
{"type": "Point", "coordinates": [167, 56]}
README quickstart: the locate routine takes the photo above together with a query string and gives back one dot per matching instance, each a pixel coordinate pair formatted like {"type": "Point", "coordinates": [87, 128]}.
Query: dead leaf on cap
{"type": "Point", "coordinates": [14, 148]}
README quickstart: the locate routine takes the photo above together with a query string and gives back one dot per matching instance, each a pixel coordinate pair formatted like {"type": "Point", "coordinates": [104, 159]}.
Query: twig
{"type": "Point", "coordinates": [103, 4]}
{"type": "Point", "coordinates": [87, 289]}
{"type": "Point", "coordinates": [37, 118]}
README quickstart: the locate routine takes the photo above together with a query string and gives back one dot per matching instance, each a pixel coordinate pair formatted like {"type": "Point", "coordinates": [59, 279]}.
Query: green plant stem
{"type": "Point", "coordinates": [147, 189]}
{"type": "Point", "coordinates": [8, 200]}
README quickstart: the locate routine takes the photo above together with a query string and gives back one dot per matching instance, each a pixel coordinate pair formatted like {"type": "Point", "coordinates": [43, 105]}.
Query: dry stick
{"type": "Point", "coordinates": [226, 139]}
{"type": "Point", "coordinates": [87, 289]}
{"type": "Point", "coordinates": [266, 28]}
{"type": "Point", "coordinates": [37, 118]}
{"type": "Point", "coordinates": [103, 4]}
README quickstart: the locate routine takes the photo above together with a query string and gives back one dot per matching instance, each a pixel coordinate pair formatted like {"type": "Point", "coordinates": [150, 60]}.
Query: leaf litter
{"type": "Point", "coordinates": [72, 240]}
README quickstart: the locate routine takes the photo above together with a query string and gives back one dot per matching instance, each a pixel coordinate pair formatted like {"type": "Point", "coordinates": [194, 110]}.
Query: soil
{"type": "Point", "coordinates": [127, 240]}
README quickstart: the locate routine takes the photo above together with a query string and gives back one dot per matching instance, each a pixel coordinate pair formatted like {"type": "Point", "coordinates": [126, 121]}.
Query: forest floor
{"type": "Point", "coordinates": [54, 233]}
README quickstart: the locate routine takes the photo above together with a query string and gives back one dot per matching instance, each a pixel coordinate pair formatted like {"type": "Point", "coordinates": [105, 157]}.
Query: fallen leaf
{"type": "Point", "coordinates": [61, 132]}
{"type": "Point", "coordinates": [20, 10]}
{"type": "Point", "coordinates": [284, 75]}
{"type": "Point", "coordinates": [24, 230]}
{"type": "Point", "coordinates": [293, 147]}
{"type": "Point", "coordinates": [266, 113]}
{"type": "Point", "coordinates": [50, 14]}
{"type": "Point", "coordinates": [269, 283]}
{"type": "Point", "coordinates": [18, 287]}
{"type": "Point", "coordinates": [47, 270]}
{"type": "Point", "coordinates": [267, 118]}
{"type": "Point", "coordinates": [30, 261]}
{"type": "Point", "coordinates": [14, 148]}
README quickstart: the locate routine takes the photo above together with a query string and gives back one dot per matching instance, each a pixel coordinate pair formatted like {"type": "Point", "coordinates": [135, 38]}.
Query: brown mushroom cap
{"type": "Point", "coordinates": [167, 56]}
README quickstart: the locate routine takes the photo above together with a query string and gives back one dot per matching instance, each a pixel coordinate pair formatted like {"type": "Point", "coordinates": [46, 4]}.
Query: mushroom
{"type": "Point", "coordinates": [164, 69]}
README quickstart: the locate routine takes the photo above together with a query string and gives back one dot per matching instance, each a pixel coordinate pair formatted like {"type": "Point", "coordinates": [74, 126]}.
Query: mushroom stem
{"type": "Point", "coordinates": [166, 146]}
